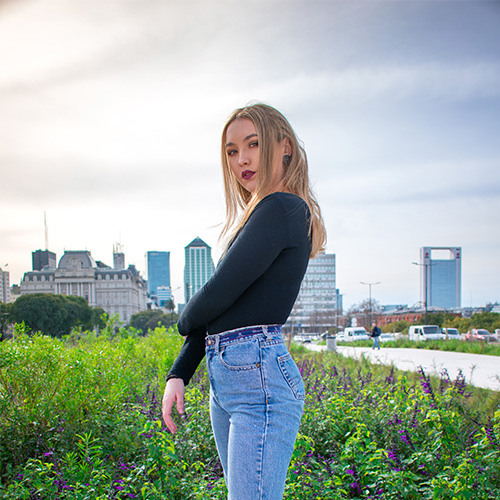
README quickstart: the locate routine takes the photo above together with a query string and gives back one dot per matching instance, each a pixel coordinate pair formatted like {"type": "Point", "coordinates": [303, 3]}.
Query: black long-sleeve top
{"type": "Point", "coordinates": [255, 283]}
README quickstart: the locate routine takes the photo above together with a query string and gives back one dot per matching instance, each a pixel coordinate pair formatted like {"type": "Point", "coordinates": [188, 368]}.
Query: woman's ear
{"type": "Point", "coordinates": [287, 146]}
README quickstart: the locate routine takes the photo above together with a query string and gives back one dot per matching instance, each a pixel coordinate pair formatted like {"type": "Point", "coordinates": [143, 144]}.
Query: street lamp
{"type": "Point", "coordinates": [370, 294]}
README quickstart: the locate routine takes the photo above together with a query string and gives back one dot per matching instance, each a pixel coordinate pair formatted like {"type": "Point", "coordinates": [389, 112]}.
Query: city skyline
{"type": "Point", "coordinates": [112, 113]}
{"type": "Point", "coordinates": [180, 291]}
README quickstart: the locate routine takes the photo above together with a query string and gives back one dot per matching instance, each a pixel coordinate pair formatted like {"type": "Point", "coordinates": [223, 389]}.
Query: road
{"type": "Point", "coordinates": [479, 370]}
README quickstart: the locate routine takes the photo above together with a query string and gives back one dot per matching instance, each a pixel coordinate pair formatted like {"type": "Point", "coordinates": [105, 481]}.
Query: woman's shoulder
{"type": "Point", "coordinates": [281, 199]}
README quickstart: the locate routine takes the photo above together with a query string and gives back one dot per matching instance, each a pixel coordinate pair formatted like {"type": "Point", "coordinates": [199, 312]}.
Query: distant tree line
{"type": "Point", "coordinates": [51, 314]}
{"type": "Point", "coordinates": [488, 320]}
{"type": "Point", "coordinates": [57, 315]}
{"type": "Point", "coordinates": [150, 319]}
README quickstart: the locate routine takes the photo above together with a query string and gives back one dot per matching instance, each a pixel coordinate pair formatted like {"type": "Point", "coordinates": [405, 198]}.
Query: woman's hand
{"type": "Point", "coordinates": [174, 392]}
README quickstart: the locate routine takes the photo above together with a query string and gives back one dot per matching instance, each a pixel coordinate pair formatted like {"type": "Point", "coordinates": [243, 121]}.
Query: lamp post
{"type": "Point", "coordinates": [370, 295]}
{"type": "Point", "coordinates": [425, 265]}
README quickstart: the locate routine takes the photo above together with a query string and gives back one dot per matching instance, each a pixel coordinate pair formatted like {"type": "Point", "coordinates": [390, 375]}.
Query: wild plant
{"type": "Point", "coordinates": [82, 420]}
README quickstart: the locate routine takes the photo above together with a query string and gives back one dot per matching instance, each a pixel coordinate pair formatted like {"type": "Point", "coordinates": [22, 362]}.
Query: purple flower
{"type": "Point", "coordinates": [355, 487]}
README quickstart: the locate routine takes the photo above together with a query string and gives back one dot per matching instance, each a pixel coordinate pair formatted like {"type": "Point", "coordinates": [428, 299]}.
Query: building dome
{"type": "Point", "coordinates": [77, 259]}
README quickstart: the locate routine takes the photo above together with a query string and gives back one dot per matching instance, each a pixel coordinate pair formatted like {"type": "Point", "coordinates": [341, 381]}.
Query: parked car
{"type": "Point", "coordinates": [424, 332]}
{"type": "Point", "coordinates": [353, 333]}
{"type": "Point", "coordinates": [450, 333]}
{"type": "Point", "coordinates": [386, 337]}
{"type": "Point", "coordinates": [480, 334]}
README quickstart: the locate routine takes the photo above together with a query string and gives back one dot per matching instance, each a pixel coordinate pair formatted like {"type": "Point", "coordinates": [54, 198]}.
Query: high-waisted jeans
{"type": "Point", "coordinates": [256, 403]}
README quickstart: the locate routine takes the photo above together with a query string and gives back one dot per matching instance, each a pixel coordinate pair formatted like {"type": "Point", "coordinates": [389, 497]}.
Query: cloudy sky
{"type": "Point", "coordinates": [111, 112]}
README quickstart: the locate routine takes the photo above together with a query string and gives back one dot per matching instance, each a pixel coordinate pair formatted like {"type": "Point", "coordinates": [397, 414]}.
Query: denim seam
{"type": "Point", "coordinates": [266, 427]}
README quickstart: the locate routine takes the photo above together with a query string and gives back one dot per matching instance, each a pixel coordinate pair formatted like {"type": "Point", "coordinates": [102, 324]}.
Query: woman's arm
{"type": "Point", "coordinates": [264, 236]}
{"type": "Point", "coordinates": [267, 232]}
{"type": "Point", "coordinates": [190, 356]}
{"type": "Point", "coordinates": [174, 393]}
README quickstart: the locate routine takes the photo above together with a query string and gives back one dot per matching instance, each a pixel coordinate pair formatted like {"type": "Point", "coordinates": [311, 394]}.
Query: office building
{"type": "Point", "coordinates": [4, 286]}
{"type": "Point", "coordinates": [159, 276]}
{"type": "Point", "coordinates": [318, 305]}
{"type": "Point", "coordinates": [441, 278]}
{"type": "Point", "coordinates": [43, 258]}
{"type": "Point", "coordinates": [117, 291]}
{"type": "Point", "coordinates": [118, 257]}
{"type": "Point", "coordinates": [198, 267]}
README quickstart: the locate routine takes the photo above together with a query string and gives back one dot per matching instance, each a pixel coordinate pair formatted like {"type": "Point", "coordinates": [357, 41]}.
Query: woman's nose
{"type": "Point", "coordinates": [243, 159]}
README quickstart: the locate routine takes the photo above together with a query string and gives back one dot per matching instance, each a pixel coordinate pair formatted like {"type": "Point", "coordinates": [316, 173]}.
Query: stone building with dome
{"type": "Point", "coordinates": [116, 289]}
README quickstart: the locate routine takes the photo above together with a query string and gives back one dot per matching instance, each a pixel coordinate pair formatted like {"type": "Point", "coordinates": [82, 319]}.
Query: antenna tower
{"type": "Point", "coordinates": [46, 230]}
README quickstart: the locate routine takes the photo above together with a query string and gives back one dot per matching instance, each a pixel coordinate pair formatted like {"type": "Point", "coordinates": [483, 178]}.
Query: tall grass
{"type": "Point", "coordinates": [81, 420]}
{"type": "Point", "coordinates": [474, 347]}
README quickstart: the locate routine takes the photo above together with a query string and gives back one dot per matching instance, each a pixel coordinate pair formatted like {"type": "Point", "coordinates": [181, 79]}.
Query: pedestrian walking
{"type": "Point", "coordinates": [376, 331]}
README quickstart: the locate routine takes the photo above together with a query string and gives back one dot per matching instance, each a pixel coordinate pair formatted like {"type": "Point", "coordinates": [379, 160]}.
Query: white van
{"type": "Point", "coordinates": [450, 333]}
{"type": "Point", "coordinates": [424, 332]}
{"type": "Point", "coordinates": [354, 333]}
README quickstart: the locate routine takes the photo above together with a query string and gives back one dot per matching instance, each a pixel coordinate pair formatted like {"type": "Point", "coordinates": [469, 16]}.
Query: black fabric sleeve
{"type": "Point", "coordinates": [268, 231]}
{"type": "Point", "coordinates": [190, 356]}
{"type": "Point", "coordinates": [263, 237]}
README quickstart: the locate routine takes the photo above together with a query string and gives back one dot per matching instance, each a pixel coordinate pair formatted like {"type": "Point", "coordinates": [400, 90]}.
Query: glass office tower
{"type": "Point", "coordinates": [441, 278]}
{"type": "Point", "coordinates": [198, 267]}
{"type": "Point", "coordinates": [158, 275]}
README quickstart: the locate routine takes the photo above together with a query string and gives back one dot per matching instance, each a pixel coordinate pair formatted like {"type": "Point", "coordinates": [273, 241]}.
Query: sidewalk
{"type": "Point", "coordinates": [479, 370]}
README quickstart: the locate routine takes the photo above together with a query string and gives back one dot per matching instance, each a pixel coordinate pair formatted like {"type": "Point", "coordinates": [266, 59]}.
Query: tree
{"type": "Point", "coordinates": [78, 312]}
{"type": "Point", "coordinates": [440, 318]}
{"type": "Point", "coordinates": [397, 326]}
{"type": "Point", "coordinates": [5, 310]}
{"type": "Point", "coordinates": [99, 318]}
{"type": "Point", "coordinates": [322, 319]}
{"type": "Point", "coordinates": [461, 324]}
{"type": "Point", "coordinates": [362, 311]}
{"type": "Point", "coordinates": [149, 320]}
{"type": "Point", "coordinates": [487, 320]}
{"type": "Point", "coordinates": [52, 314]}
{"type": "Point", "coordinates": [170, 306]}
{"type": "Point", "coordinates": [139, 320]}
{"type": "Point", "coordinates": [166, 320]}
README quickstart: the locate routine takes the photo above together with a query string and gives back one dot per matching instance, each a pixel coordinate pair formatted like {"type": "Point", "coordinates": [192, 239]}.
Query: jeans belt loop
{"type": "Point", "coordinates": [217, 342]}
{"type": "Point", "coordinates": [265, 332]}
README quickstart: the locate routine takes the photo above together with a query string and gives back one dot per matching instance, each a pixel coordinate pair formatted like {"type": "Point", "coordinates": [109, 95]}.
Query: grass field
{"type": "Point", "coordinates": [81, 420]}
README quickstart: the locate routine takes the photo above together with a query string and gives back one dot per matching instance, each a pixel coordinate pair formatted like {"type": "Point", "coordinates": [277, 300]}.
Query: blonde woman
{"type": "Point", "coordinates": [273, 227]}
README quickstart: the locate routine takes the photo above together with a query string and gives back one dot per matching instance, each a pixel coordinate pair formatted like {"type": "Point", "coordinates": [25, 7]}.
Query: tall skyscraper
{"type": "Point", "coordinates": [441, 278]}
{"type": "Point", "coordinates": [158, 274]}
{"type": "Point", "coordinates": [318, 305]}
{"type": "Point", "coordinates": [42, 258]}
{"type": "Point", "coordinates": [198, 267]}
{"type": "Point", "coordinates": [4, 286]}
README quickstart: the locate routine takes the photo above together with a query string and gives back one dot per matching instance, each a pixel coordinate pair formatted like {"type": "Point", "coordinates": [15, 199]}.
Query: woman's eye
{"type": "Point", "coordinates": [231, 152]}
{"type": "Point", "coordinates": [253, 144]}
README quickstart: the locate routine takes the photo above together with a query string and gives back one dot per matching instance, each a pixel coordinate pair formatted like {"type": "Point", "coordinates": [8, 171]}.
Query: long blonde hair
{"type": "Point", "coordinates": [272, 128]}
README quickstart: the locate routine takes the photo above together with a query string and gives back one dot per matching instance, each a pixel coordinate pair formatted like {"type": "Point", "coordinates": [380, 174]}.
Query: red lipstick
{"type": "Point", "coordinates": [247, 174]}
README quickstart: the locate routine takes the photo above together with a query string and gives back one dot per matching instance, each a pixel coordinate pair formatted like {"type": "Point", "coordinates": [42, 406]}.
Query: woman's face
{"type": "Point", "coordinates": [242, 149]}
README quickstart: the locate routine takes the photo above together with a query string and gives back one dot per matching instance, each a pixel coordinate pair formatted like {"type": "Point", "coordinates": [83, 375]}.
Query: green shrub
{"type": "Point", "coordinates": [82, 420]}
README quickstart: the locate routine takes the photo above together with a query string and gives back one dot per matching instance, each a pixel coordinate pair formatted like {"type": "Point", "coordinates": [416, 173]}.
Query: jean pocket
{"type": "Point", "coordinates": [241, 356]}
{"type": "Point", "coordinates": [292, 375]}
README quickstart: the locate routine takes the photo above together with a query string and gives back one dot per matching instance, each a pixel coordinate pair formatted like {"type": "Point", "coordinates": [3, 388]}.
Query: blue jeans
{"type": "Point", "coordinates": [256, 403]}
{"type": "Point", "coordinates": [375, 343]}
